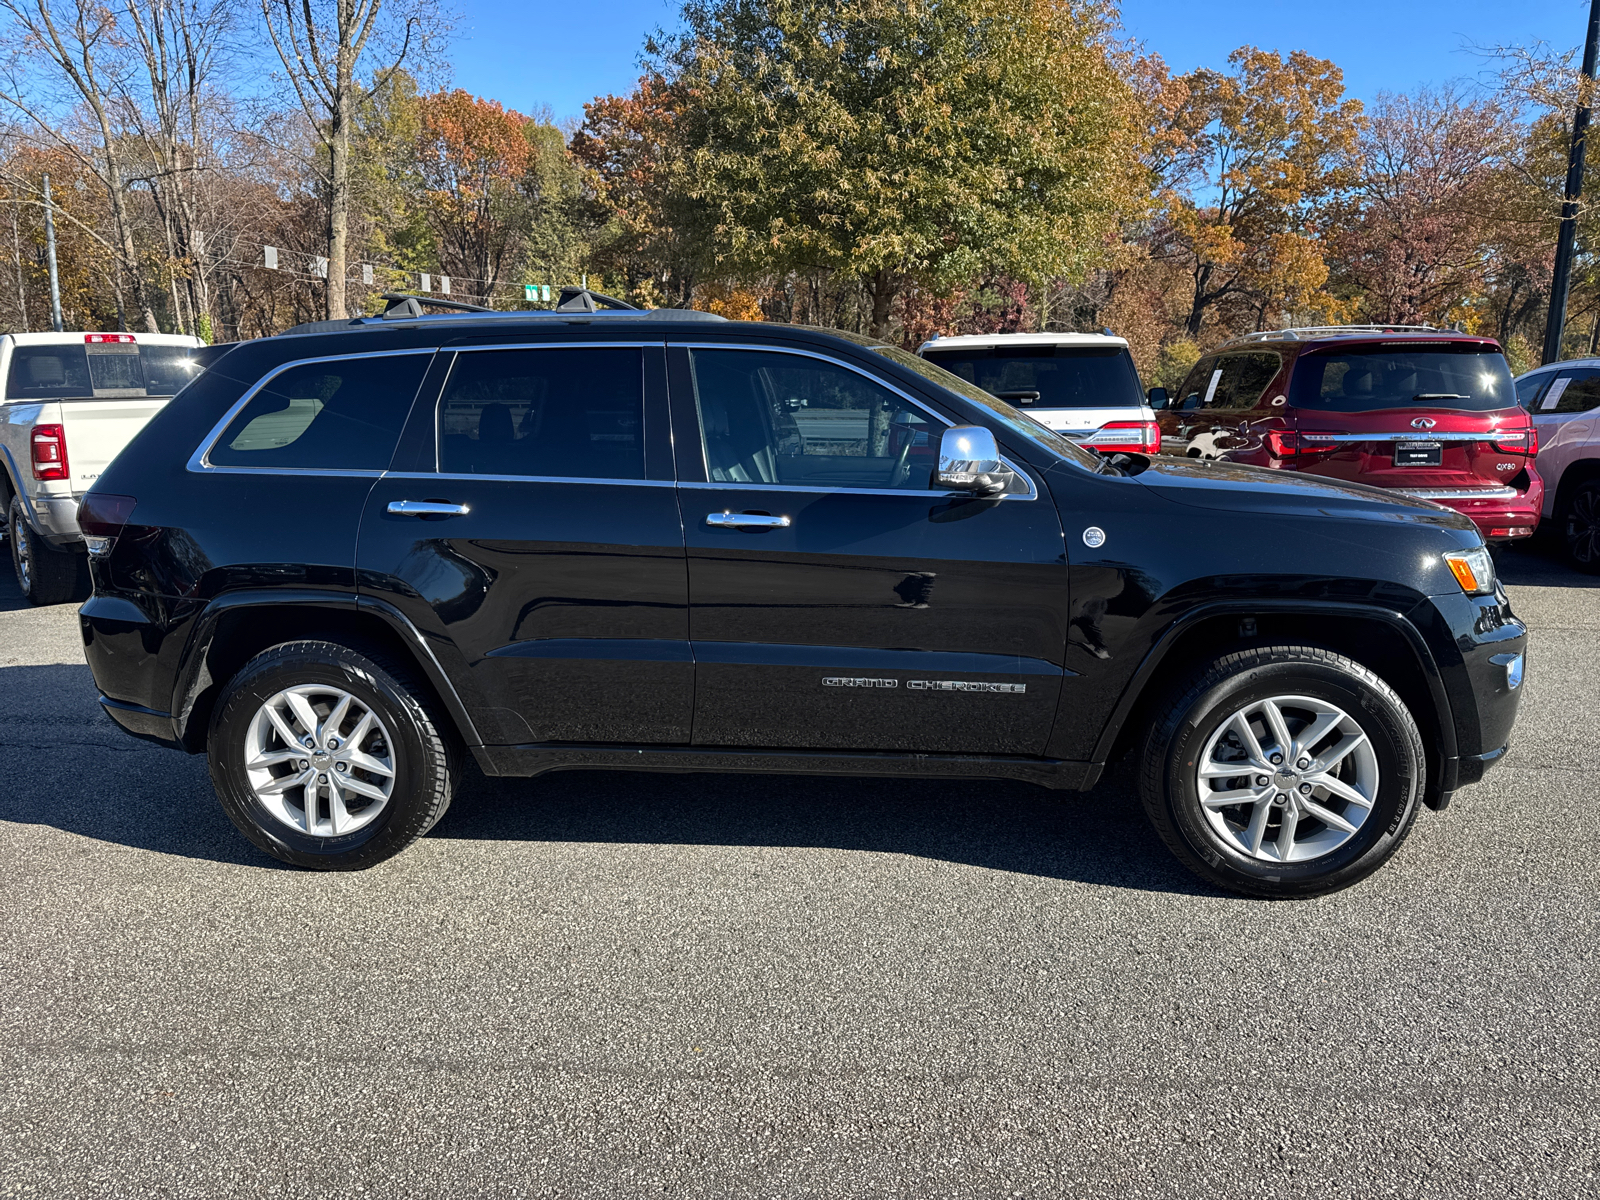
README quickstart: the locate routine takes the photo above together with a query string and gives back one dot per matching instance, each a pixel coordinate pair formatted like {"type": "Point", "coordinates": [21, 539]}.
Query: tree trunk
{"type": "Point", "coordinates": [339, 187]}
{"type": "Point", "coordinates": [882, 289]}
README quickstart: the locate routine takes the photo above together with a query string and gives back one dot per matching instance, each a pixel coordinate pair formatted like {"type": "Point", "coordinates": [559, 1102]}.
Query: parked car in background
{"type": "Point", "coordinates": [1563, 399]}
{"type": "Point", "coordinates": [1427, 412]}
{"type": "Point", "coordinates": [1082, 385]}
{"type": "Point", "coordinates": [353, 553]}
{"type": "Point", "coordinates": [71, 402]}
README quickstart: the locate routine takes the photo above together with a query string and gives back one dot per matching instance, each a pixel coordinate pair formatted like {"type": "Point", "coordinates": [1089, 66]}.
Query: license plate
{"type": "Point", "coordinates": [1418, 454]}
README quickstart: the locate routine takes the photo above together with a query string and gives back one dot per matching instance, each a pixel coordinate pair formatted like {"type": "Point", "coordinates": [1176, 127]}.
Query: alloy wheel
{"type": "Point", "coordinates": [319, 760]}
{"type": "Point", "coordinates": [1583, 525]}
{"type": "Point", "coordinates": [21, 555]}
{"type": "Point", "coordinates": [1287, 779]}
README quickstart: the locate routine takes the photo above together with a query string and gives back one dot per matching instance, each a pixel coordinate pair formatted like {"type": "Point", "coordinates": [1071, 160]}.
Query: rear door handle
{"type": "Point", "coordinates": [427, 508]}
{"type": "Point", "coordinates": [733, 520]}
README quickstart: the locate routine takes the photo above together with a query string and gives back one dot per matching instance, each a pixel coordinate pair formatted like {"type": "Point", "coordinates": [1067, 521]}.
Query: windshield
{"type": "Point", "coordinates": [66, 372]}
{"type": "Point", "coordinates": [1009, 417]}
{"type": "Point", "coordinates": [1048, 376]}
{"type": "Point", "coordinates": [1467, 376]}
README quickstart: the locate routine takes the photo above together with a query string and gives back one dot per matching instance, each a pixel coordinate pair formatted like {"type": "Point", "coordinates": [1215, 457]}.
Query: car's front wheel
{"type": "Point", "coordinates": [1283, 771]}
{"type": "Point", "coordinates": [329, 758]}
{"type": "Point", "coordinates": [1581, 527]}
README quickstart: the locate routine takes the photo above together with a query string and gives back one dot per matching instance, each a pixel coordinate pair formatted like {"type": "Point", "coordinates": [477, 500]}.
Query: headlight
{"type": "Point", "coordinates": [1473, 569]}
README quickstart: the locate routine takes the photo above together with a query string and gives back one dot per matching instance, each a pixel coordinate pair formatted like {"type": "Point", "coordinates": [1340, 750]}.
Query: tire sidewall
{"type": "Point", "coordinates": [394, 828]}
{"type": "Point", "coordinates": [1389, 729]}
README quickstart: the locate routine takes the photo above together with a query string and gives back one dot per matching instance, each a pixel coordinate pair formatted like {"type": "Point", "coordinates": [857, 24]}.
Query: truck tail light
{"type": "Point", "coordinates": [1288, 443]}
{"type": "Point", "coordinates": [50, 452]}
{"type": "Point", "coordinates": [103, 516]}
{"type": "Point", "coordinates": [109, 339]}
{"type": "Point", "coordinates": [1138, 437]}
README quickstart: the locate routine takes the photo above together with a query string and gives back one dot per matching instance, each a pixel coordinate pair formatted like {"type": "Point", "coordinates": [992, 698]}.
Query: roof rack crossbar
{"type": "Point", "coordinates": [402, 306]}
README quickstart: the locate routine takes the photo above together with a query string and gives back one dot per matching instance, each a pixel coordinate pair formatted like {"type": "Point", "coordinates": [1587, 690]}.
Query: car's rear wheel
{"type": "Point", "coordinates": [45, 575]}
{"type": "Point", "coordinates": [1283, 771]}
{"type": "Point", "coordinates": [329, 758]}
{"type": "Point", "coordinates": [1581, 527]}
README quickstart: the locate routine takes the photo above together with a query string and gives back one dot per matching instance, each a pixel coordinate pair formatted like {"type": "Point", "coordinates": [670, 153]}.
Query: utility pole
{"type": "Point", "coordinates": [22, 292]}
{"type": "Point", "coordinates": [50, 252]}
{"type": "Point", "coordinates": [1562, 281]}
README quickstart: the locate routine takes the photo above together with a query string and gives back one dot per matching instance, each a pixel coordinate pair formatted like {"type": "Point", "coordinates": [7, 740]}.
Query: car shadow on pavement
{"type": "Point", "coordinates": [1541, 561]}
{"type": "Point", "coordinates": [64, 764]}
{"type": "Point", "coordinates": [1099, 837]}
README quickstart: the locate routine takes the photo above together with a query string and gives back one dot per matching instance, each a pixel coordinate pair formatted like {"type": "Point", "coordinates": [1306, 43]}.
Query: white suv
{"type": "Point", "coordinates": [1082, 385]}
{"type": "Point", "coordinates": [1564, 401]}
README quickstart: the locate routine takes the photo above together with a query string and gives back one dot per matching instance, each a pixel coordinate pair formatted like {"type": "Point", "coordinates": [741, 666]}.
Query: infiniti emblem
{"type": "Point", "coordinates": [1423, 423]}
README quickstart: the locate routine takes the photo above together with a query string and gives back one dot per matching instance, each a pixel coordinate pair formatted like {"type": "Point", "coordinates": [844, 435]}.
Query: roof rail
{"type": "Point", "coordinates": [403, 306]}
{"type": "Point", "coordinates": [1305, 332]}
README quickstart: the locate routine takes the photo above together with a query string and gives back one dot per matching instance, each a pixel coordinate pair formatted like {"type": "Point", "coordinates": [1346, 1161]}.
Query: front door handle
{"type": "Point", "coordinates": [733, 520]}
{"type": "Point", "coordinates": [427, 508]}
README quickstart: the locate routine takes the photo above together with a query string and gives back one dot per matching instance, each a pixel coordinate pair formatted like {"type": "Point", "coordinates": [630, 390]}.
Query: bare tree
{"type": "Point", "coordinates": [323, 44]}
{"type": "Point", "coordinates": [81, 41]}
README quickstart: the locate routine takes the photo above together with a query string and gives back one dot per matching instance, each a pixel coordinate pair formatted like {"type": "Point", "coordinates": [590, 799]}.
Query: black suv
{"type": "Point", "coordinates": [345, 556]}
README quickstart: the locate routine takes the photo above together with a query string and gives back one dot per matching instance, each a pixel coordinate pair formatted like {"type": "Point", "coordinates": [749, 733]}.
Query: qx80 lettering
{"type": "Point", "coordinates": [925, 685]}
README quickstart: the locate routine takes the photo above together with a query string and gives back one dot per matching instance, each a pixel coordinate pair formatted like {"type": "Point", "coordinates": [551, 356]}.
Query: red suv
{"type": "Point", "coordinates": [1429, 412]}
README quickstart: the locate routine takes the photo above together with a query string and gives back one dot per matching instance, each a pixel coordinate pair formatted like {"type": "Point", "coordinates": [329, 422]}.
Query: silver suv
{"type": "Point", "coordinates": [1082, 385]}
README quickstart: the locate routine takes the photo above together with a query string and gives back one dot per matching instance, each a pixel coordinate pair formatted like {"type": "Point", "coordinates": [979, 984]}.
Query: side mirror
{"type": "Point", "coordinates": [969, 461]}
{"type": "Point", "coordinates": [1157, 396]}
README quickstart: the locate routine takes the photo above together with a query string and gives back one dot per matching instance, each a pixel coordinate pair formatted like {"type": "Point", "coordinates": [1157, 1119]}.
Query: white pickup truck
{"type": "Point", "coordinates": [71, 402]}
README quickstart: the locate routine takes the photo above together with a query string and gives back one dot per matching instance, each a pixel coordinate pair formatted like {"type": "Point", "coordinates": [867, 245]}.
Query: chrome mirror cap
{"type": "Point", "coordinates": [969, 460]}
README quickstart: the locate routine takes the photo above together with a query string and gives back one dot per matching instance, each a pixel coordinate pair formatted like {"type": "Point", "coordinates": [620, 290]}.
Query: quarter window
{"type": "Point", "coordinates": [1574, 391]}
{"type": "Point", "coordinates": [562, 413]}
{"type": "Point", "coordinates": [340, 415]}
{"type": "Point", "coordinates": [774, 418]}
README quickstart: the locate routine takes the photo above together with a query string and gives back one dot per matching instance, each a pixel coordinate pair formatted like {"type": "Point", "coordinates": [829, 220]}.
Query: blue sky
{"type": "Point", "coordinates": [538, 52]}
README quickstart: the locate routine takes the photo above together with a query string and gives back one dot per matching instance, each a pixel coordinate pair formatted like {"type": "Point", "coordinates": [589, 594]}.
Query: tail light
{"type": "Point", "coordinates": [50, 452]}
{"type": "Point", "coordinates": [1139, 437]}
{"type": "Point", "coordinates": [1289, 443]}
{"type": "Point", "coordinates": [1524, 442]}
{"type": "Point", "coordinates": [102, 517]}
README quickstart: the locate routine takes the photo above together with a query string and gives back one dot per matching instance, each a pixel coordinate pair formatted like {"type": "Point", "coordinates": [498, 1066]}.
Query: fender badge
{"type": "Point", "coordinates": [1094, 537]}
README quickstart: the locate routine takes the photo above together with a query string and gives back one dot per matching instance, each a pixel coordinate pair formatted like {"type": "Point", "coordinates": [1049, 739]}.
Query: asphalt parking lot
{"type": "Point", "coordinates": [627, 985]}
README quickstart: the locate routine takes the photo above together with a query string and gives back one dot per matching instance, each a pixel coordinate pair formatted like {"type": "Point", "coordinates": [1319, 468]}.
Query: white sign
{"type": "Point", "coordinates": [319, 266]}
{"type": "Point", "coordinates": [444, 284]}
{"type": "Point", "coordinates": [1553, 396]}
{"type": "Point", "coordinates": [270, 255]}
{"type": "Point", "coordinates": [366, 274]}
{"type": "Point", "coordinates": [427, 282]}
{"type": "Point", "coordinates": [1211, 388]}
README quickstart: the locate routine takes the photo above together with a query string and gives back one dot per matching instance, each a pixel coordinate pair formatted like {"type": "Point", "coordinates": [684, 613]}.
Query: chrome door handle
{"type": "Point", "coordinates": [426, 508]}
{"type": "Point", "coordinates": [733, 520]}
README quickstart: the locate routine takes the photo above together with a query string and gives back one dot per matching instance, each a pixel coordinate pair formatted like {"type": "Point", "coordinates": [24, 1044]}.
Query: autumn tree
{"type": "Point", "coordinates": [332, 51]}
{"type": "Point", "coordinates": [1258, 154]}
{"type": "Point", "coordinates": [901, 142]}
{"type": "Point", "coordinates": [473, 155]}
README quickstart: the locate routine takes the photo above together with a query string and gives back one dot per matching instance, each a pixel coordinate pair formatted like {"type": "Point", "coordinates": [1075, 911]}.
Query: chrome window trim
{"type": "Point", "coordinates": [200, 460]}
{"type": "Point", "coordinates": [438, 405]}
{"type": "Point", "coordinates": [1031, 494]}
{"type": "Point", "coordinates": [466, 476]}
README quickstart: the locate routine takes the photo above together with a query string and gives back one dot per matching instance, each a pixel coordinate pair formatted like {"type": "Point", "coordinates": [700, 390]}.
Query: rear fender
{"type": "Point", "coordinates": [194, 678]}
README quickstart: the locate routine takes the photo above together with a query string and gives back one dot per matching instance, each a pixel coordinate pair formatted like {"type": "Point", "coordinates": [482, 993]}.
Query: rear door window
{"type": "Point", "coordinates": [1465, 376]}
{"type": "Point", "coordinates": [1237, 381]}
{"type": "Point", "coordinates": [551, 413]}
{"type": "Point", "coordinates": [1576, 390]}
{"type": "Point", "coordinates": [343, 414]}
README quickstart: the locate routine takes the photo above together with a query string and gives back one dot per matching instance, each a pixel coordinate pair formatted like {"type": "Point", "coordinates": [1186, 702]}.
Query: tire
{"type": "Point", "coordinates": [45, 575]}
{"type": "Point", "coordinates": [1198, 731]}
{"type": "Point", "coordinates": [406, 739]}
{"type": "Point", "coordinates": [1580, 527]}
